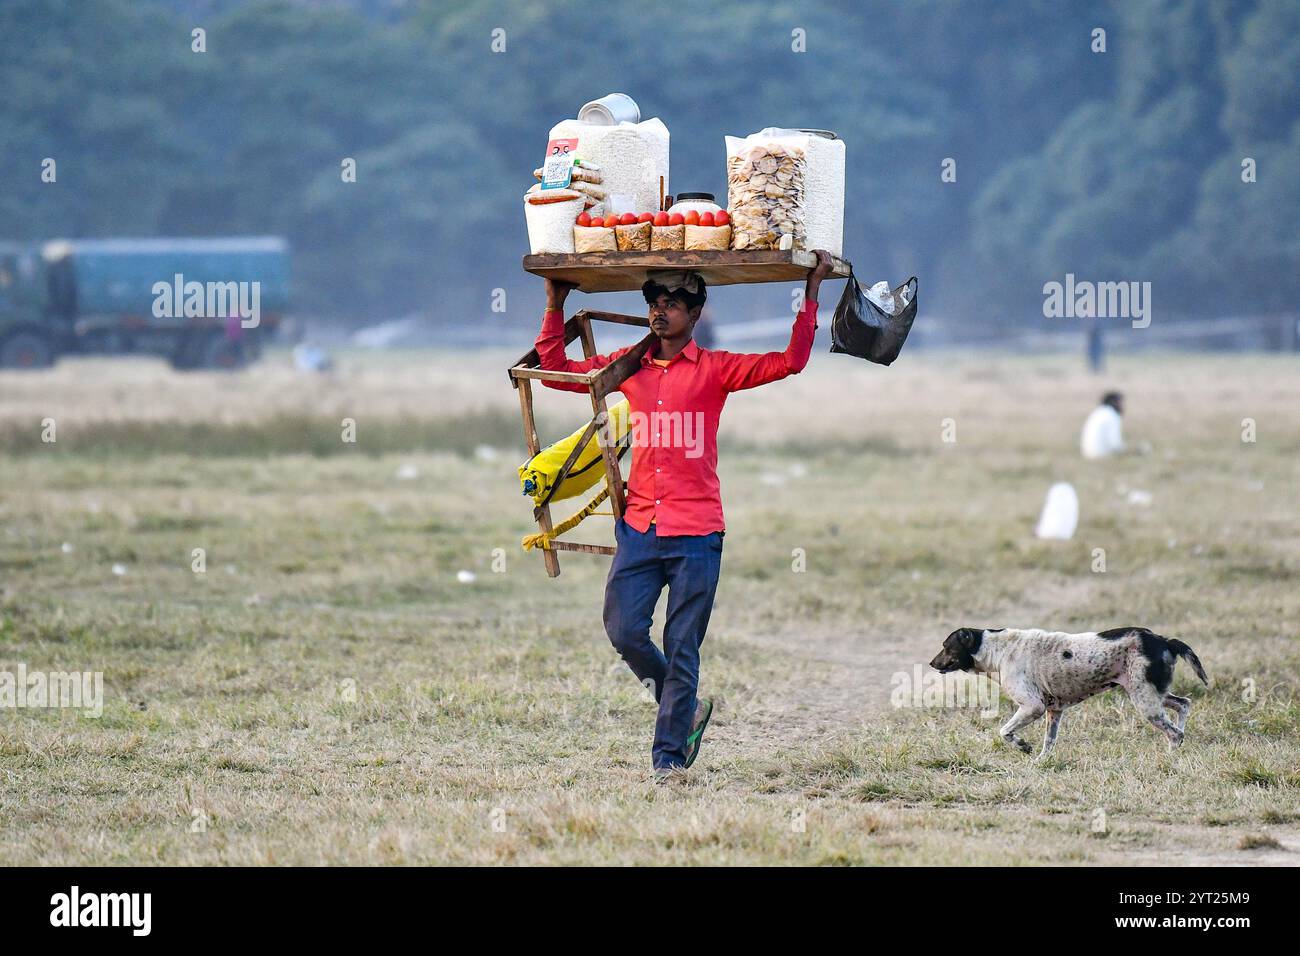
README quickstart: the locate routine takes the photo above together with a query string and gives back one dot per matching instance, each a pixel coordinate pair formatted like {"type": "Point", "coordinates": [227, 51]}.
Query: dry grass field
{"type": "Point", "coordinates": [329, 690]}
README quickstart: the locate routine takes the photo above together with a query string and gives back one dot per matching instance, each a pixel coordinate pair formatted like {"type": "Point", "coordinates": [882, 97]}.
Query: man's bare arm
{"type": "Point", "coordinates": [550, 340]}
{"type": "Point", "coordinates": [825, 265]}
{"type": "Point", "coordinates": [557, 290]}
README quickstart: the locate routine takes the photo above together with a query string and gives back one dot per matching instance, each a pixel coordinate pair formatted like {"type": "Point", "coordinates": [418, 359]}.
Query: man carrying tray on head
{"type": "Point", "coordinates": [671, 532]}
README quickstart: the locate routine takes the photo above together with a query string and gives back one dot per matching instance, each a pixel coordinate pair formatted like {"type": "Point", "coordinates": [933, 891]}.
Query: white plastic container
{"type": "Point", "coordinates": [631, 157]}
{"type": "Point", "coordinates": [684, 206]}
{"type": "Point", "coordinates": [550, 225]}
{"type": "Point", "coordinates": [824, 193]}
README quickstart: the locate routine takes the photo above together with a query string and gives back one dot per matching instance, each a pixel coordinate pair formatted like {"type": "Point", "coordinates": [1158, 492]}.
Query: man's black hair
{"type": "Point", "coordinates": [1113, 399]}
{"type": "Point", "coordinates": [653, 290]}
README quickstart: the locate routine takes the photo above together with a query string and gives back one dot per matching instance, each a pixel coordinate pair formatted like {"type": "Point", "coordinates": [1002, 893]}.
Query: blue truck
{"type": "Point", "coordinates": [200, 303]}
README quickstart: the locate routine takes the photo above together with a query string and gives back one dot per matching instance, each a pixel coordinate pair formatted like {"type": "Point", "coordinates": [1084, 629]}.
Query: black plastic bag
{"type": "Point", "coordinates": [861, 328]}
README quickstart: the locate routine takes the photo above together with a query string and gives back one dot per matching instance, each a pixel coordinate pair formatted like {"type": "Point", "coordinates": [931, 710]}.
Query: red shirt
{"type": "Point", "coordinates": [673, 416]}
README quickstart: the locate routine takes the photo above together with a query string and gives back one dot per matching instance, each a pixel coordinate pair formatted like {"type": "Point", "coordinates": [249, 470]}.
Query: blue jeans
{"type": "Point", "coordinates": [643, 564]}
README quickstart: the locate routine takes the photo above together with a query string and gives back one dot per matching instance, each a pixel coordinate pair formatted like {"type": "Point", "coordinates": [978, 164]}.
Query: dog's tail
{"type": "Point", "coordinates": [1179, 649]}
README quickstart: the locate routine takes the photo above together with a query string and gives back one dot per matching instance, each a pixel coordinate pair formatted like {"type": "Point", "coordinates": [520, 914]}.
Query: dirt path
{"type": "Point", "coordinates": [855, 678]}
{"type": "Point", "coordinates": [847, 679]}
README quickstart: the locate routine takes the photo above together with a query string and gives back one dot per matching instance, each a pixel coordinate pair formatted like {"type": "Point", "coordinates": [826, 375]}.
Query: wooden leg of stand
{"type": "Point", "coordinates": [551, 559]}
{"type": "Point", "coordinates": [588, 339]}
{"type": "Point", "coordinates": [613, 476]}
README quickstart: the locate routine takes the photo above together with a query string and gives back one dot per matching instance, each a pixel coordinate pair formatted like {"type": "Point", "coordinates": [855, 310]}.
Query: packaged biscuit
{"type": "Point", "coordinates": [593, 239]}
{"type": "Point", "coordinates": [667, 238]}
{"type": "Point", "coordinates": [633, 238]}
{"type": "Point", "coordinates": [708, 237]}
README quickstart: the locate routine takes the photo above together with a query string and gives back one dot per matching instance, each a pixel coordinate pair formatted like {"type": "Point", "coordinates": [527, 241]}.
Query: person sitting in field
{"type": "Point", "coordinates": [1103, 430]}
{"type": "Point", "coordinates": [671, 533]}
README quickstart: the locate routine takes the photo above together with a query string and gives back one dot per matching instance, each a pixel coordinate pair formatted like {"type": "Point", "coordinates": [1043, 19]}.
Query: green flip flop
{"type": "Point", "coordinates": [703, 711]}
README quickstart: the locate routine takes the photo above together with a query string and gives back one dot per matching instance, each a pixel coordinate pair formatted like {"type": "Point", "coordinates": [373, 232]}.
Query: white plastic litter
{"type": "Point", "coordinates": [882, 296]}
{"type": "Point", "coordinates": [1060, 515]}
{"type": "Point", "coordinates": [466, 577]}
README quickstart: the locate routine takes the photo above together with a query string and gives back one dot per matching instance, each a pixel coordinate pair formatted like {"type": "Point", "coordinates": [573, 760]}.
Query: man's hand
{"type": "Point", "coordinates": [557, 290]}
{"type": "Point", "coordinates": [825, 266]}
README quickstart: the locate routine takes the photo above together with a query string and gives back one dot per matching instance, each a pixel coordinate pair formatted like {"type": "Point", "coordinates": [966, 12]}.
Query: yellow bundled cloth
{"type": "Point", "coordinates": [538, 474]}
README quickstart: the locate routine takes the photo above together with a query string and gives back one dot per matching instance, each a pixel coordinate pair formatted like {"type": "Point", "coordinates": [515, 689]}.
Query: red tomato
{"type": "Point", "coordinates": [721, 218]}
{"type": "Point", "coordinates": [646, 217]}
{"type": "Point", "coordinates": [627, 219]}
{"type": "Point", "coordinates": [706, 219]}
{"type": "Point", "coordinates": [693, 218]}
{"type": "Point", "coordinates": [661, 219]}
{"type": "Point", "coordinates": [676, 219]}
{"type": "Point", "coordinates": [611, 221]}
{"type": "Point", "coordinates": [584, 219]}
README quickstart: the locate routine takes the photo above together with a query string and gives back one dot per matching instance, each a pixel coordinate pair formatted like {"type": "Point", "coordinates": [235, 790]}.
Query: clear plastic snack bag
{"type": "Point", "coordinates": [765, 188]}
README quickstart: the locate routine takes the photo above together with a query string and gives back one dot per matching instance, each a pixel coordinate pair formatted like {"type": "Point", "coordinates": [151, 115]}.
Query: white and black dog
{"type": "Point", "coordinates": [1044, 672]}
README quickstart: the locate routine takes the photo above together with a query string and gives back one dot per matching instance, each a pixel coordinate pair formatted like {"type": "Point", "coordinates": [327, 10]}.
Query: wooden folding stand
{"type": "Point", "coordinates": [600, 383]}
{"type": "Point", "coordinates": [614, 272]}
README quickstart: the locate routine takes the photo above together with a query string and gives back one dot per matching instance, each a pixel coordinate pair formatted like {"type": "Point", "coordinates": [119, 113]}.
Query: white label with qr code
{"type": "Point", "coordinates": [557, 170]}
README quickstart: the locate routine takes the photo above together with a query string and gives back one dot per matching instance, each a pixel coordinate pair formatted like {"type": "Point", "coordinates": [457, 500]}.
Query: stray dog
{"type": "Point", "coordinates": [1044, 672]}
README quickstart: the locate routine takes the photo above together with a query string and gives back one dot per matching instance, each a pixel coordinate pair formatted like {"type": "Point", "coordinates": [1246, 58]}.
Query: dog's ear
{"type": "Point", "coordinates": [971, 638]}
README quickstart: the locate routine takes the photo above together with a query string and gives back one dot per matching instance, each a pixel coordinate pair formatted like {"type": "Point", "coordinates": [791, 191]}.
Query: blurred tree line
{"type": "Point", "coordinates": [1118, 165]}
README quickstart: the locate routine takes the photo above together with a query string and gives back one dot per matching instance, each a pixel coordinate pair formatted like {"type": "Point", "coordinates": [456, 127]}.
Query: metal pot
{"type": "Point", "coordinates": [610, 110]}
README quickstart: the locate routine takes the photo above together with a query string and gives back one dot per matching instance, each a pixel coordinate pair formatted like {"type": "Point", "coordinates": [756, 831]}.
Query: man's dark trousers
{"type": "Point", "coordinates": [643, 564]}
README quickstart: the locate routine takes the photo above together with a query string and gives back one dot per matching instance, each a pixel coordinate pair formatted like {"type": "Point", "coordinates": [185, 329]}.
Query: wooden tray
{"type": "Point", "coordinates": [626, 271]}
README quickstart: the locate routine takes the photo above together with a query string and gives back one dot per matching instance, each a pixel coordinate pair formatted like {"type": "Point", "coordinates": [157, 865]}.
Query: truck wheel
{"type": "Point", "coordinates": [26, 349]}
